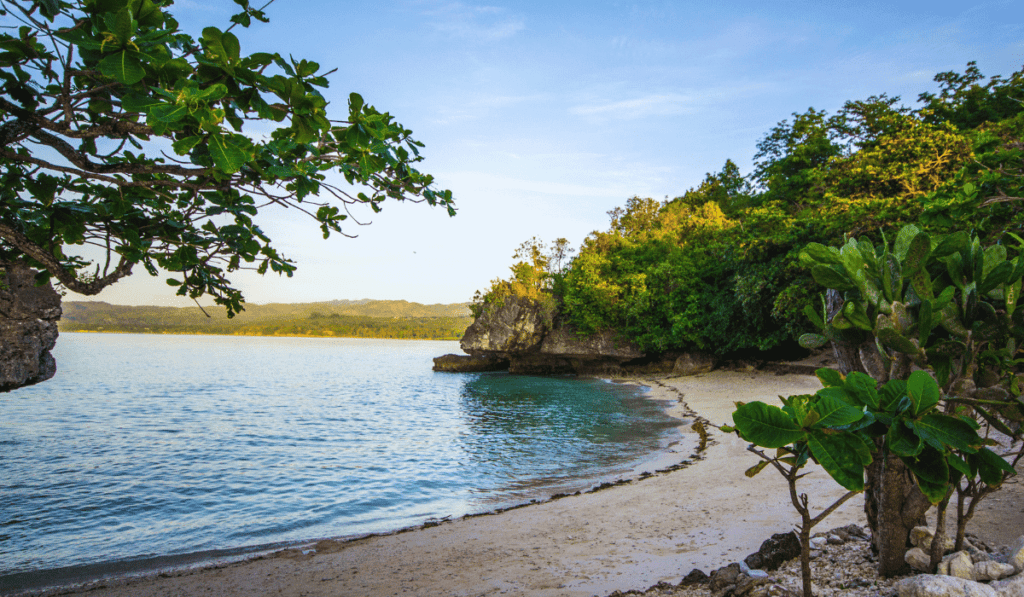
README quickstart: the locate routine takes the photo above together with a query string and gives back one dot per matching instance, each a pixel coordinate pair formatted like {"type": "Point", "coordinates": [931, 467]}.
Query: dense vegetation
{"type": "Point", "coordinates": [349, 319]}
{"type": "Point", "coordinates": [717, 268]}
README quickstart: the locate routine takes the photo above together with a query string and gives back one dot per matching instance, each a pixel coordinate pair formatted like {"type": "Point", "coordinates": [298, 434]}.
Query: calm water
{"type": "Point", "coordinates": [153, 445]}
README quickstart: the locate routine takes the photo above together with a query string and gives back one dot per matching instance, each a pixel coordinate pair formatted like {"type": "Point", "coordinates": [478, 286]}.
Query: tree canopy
{"type": "Point", "coordinates": [120, 131]}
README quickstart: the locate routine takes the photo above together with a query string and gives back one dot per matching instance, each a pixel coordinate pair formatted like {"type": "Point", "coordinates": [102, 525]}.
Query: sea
{"type": "Point", "coordinates": [149, 451]}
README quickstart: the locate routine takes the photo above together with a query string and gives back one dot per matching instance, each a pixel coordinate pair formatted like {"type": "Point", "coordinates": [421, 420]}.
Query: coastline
{"type": "Point", "coordinates": [619, 537]}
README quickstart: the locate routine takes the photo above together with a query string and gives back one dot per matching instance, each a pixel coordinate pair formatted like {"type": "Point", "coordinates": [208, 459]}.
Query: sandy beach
{"type": "Point", "coordinates": [631, 536]}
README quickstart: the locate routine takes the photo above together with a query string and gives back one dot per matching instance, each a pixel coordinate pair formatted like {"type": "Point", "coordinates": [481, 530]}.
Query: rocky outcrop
{"type": "Point", "coordinates": [516, 326]}
{"type": "Point", "coordinates": [465, 363]}
{"type": "Point", "coordinates": [519, 336]}
{"type": "Point", "coordinates": [28, 327]}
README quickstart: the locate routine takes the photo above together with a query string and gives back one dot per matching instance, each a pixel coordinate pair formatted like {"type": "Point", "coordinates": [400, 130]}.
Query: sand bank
{"type": "Point", "coordinates": [628, 537]}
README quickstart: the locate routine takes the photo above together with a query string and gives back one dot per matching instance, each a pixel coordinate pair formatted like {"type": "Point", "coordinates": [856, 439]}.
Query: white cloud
{"type": "Point", "coordinates": [479, 23]}
{"type": "Point", "coordinates": [660, 104]}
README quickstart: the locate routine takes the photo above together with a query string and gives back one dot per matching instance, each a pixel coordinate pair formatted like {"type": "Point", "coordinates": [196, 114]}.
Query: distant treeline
{"type": "Point", "coordinates": [347, 319]}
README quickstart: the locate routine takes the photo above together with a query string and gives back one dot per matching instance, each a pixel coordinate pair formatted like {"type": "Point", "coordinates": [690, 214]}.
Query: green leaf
{"type": "Point", "coordinates": [957, 463]}
{"type": "Point", "coordinates": [893, 339]}
{"type": "Point", "coordinates": [812, 341]}
{"type": "Point", "coordinates": [918, 252]}
{"type": "Point", "coordinates": [814, 316]}
{"type": "Point", "coordinates": [856, 313]}
{"type": "Point", "coordinates": [903, 238]}
{"type": "Point", "coordinates": [766, 426]}
{"type": "Point", "coordinates": [892, 278]}
{"type": "Point", "coordinates": [835, 413]}
{"type": "Point", "coordinates": [990, 466]}
{"type": "Point", "coordinates": [999, 275]}
{"type": "Point", "coordinates": [830, 377]}
{"type": "Point", "coordinates": [923, 391]}
{"type": "Point", "coordinates": [226, 155]}
{"type": "Point", "coordinates": [902, 441]}
{"type": "Point", "coordinates": [167, 113]}
{"type": "Point", "coordinates": [924, 322]}
{"type": "Point", "coordinates": [124, 67]}
{"type": "Point", "coordinates": [950, 244]}
{"type": "Point", "coordinates": [842, 455]}
{"type": "Point", "coordinates": [185, 145]}
{"type": "Point", "coordinates": [818, 254]}
{"type": "Point", "coordinates": [757, 468]}
{"type": "Point", "coordinates": [943, 431]}
{"type": "Point", "coordinates": [862, 387]}
{"type": "Point", "coordinates": [929, 466]}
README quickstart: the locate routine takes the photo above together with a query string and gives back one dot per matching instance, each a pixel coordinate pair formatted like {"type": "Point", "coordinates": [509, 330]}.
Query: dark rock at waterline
{"type": "Point", "coordinates": [28, 327]}
{"type": "Point", "coordinates": [464, 363]}
{"type": "Point", "coordinates": [724, 577]}
{"type": "Point", "coordinates": [774, 551]}
{"type": "Point", "coordinates": [517, 326]}
{"type": "Point", "coordinates": [695, 577]}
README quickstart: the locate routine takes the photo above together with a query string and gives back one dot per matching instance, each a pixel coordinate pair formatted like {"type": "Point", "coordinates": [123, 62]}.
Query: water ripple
{"type": "Point", "coordinates": [148, 445]}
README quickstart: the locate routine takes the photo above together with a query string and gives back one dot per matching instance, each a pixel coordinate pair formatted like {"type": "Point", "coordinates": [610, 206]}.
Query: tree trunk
{"type": "Point", "coordinates": [894, 506]}
{"type": "Point", "coordinates": [847, 353]}
{"type": "Point", "coordinates": [28, 327]}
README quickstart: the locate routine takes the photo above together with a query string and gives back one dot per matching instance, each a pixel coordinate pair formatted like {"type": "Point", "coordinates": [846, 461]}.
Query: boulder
{"type": "Point", "coordinates": [518, 325]}
{"type": "Point", "coordinates": [724, 577]}
{"type": "Point", "coordinates": [693, 363]}
{"type": "Point", "coordinates": [1011, 587]}
{"type": "Point", "coordinates": [928, 585]}
{"type": "Point", "coordinates": [1016, 558]}
{"type": "Point", "coordinates": [918, 559]}
{"type": "Point", "coordinates": [464, 363]}
{"type": "Point", "coordinates": [774, 551]}
{"type": "Point", "coordinates": [989, 570]}
{"type": "Point", "coordinates": [961, 566]}
{"type": "Point", "coordinates": [28, 327]}
{"type": "Point", "coordinates": [922, 537]}
{"type": "Point", "coordinates": [695, 577]}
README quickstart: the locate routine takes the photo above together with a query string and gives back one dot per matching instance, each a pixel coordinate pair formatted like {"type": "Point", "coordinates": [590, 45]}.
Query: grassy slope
{"type": "Point", "coordinates": [358, 319]}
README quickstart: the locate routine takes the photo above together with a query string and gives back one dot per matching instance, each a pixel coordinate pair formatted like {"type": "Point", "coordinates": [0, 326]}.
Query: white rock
{"type": "Point", "coordinates": [991, 570]}
{"type": "Point", "coordinates": [917, 558]}
{"type": "Point", "coordinates": [1017, 555]}
{"type": "Point", "coordinates": [757, 574]}
{"type": "Point", "coordinates": [1011, 587]}
{"type": "Point", "coordinates": [835, 540]}
{"type": "Point", "coordinates": [922, 537]}
{"type": "Point", "coordinates": [818, 542]}
{"type": "Point", "coordinates": [961, 566]}
{"type": "Point", "coordinates": [927, 585]}
{"type": "Point", "coordinates": [943, 568]}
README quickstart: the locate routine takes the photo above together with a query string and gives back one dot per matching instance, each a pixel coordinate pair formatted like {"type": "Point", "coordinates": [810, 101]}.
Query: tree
{"type": "Point", "coordinates": [119, 131]}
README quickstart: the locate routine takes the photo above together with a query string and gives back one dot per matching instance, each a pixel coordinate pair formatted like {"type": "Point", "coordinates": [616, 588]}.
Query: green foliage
{"type": "Point", "coordinates": [119, 130]}
{"type": "Point", "coordinates": [537, 275]}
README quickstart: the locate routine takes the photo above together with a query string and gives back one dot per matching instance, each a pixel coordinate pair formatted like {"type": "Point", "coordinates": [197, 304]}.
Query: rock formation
{"type": "Point", "coordinates": [28, 327]}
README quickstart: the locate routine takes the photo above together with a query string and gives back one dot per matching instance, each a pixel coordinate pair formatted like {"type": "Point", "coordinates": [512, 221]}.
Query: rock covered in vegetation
{"type": "Point", "coordinates": [28, 327]}
{"type": "Point", "coordinates": [693, 363]}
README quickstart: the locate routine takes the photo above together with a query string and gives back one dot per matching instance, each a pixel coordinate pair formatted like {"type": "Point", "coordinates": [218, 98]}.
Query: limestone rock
{"type": "Point", "coordinates": [1011, 587]}
{"type": "Point", "coordinates": [693, 363]}
{"type": "Point", "coordinates": [989, 570]}
{"type": "Point", "coordinates": [518, 325]}
{"type": "Point", "coordinates": [922, 537]}
{"type": "Point", "coordinates": [461, 363]}
{"type": "Point", "coordinates": [961, 566]}
{"type": "Point", "coordinates": [835, 540]}
{"type": "Point", "coordinates": [928, 585]}
{"type": "Point", "coordinates": [564, 341]}
{"type": "Point", "coordinates": [918, 559]}
{"type": "Point", "coordinates": [28, 327]}
{"type": "Point", "coordinates": [1017, 555]}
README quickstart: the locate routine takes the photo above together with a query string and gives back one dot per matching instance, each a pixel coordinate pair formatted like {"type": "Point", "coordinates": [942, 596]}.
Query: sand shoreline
{"type": "Point", "coordinates": [631, 536]}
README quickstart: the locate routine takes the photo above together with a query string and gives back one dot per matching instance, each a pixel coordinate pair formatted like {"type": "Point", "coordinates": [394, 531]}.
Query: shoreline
{"type": "Point", "coordinates": [453, 339]}
{"type": "Point", "coordinates": [620, 536]}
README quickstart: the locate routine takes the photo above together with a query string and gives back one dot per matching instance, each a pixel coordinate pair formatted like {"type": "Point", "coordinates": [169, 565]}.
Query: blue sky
{"type": "Point", "coordinates": [542, 116]}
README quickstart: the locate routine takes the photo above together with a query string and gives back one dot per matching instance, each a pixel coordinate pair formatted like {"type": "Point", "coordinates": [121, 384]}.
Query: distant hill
{"type": "Point", "coordinates": [342, 318]}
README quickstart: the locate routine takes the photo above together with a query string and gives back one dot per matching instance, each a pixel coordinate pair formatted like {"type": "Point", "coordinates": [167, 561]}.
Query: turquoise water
{"type": "Point", "coordinates": [150, 445]}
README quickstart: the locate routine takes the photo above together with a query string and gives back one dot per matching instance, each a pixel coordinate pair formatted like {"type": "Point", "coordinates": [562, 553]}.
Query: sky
{"type": "Point", "coordinates": [543, 116]}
